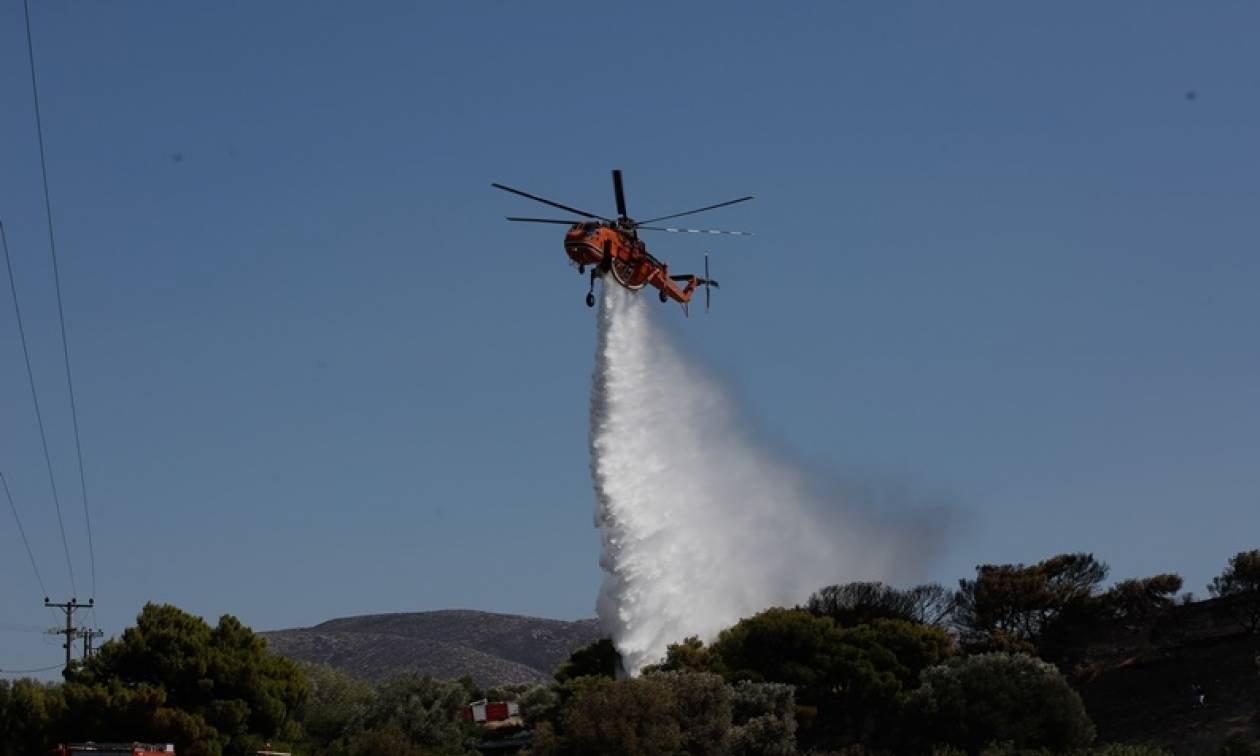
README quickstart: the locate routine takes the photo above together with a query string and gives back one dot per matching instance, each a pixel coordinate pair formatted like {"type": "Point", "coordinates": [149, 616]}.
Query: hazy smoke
{"type": "Point", "coordinates": [701, 524]}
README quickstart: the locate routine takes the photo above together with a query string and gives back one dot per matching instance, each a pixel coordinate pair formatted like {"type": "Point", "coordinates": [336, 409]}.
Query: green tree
{"type": "Point", "coordinates": [27, 712]}
{"type": "Point", "coordinates": [508, 692]}
{"type": "Point", "coordinates": [914, 647]}
{"type": "Point", "coordinates": [689, 656]}
{"type": "Point", "coordinates": [1241, 582]}
{"type": "Point", "coordinates": [172, 676]}
{"type": "Point", "coordinates": [635, 717]}
{"type": "Point", "coordinates": [336, 707]}
{"type": "Point", "coordinates": [782, 645]}
{"type": "Point", "coordinates": [539, 704]}
{"type": "Point", "coordinates": [427, 711]}
{"type": "Point", "coordinates": [599, 659]}
{"type": "Point", "coordinates": [851, 677]}
{"type": "Point", "coordinates": [972, 701]}
{"type": "Point", "coordinates": [703, 707]}
{"type": "Point", "coordinates": [114, 710]}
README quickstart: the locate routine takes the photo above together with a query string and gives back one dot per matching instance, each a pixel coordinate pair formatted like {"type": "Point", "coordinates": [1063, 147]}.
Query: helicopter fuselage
{"type": "Point", "coordinates": [604, 248]}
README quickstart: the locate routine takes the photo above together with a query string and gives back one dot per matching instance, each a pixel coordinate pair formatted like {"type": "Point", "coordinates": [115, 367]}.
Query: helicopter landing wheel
{"type": "Point", "coordinates": [664, 297]}
{"type": "Point", "coordinates": [590, 300]}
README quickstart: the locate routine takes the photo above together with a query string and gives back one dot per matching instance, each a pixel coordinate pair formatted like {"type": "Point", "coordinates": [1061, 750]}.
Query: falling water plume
{"type": "Point", "coordinates": [702, 523]}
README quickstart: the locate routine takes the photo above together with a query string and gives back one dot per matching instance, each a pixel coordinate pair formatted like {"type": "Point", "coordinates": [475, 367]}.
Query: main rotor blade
{"type": "Point", "coordinates": [693, 230]}
{"type": "Point", "coordinates": [698, 210]}
{"type": "Point", "coordinates": [535, 198]}
{"type": "Point", "coordinates": [545, 220]}
{"type": "Point", "coordinates": [621, 194]}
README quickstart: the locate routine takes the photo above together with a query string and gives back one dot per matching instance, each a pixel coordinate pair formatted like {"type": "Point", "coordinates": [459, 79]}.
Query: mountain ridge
{"type": "Point", "coordinates": [491, 647]}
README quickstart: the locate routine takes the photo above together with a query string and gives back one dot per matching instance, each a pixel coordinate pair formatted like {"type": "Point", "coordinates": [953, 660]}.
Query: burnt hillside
{"type": "Point", "coordinates": [1138, 679]}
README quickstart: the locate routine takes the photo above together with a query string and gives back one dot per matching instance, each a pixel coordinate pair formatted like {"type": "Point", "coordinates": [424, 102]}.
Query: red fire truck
{"type": "Point", "coordinates": [113, 749]}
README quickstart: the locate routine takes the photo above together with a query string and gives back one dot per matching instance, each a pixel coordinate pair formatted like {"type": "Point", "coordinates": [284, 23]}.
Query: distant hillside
{"type": "Point", "coordinates": [494, 649]}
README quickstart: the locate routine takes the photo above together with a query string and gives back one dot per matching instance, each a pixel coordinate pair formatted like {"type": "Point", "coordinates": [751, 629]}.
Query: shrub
{"type": "Point", "coordinates": [972, 701]}
{"type": "Point", "coordinates": [702, 707]}
{"type": "Point", "coordinates": [539, 704]}
{"type": "Point", "coordinates": [622, 718]}
{"type": "Point", "coordinates": [764, 719]}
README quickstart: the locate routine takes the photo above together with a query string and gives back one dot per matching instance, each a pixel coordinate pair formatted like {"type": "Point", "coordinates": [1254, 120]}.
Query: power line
{"type": "Point", "coordinates": [28, 671]}
{"type": "Point", "coordinates": [22, 531]}
{"type": "Point", "coordinates": [39, 416]}
{"type": "Point", "coordinates": [9, 626]}
{"type": "Point", "coordinates": [61, 315]}
{"type": "Point", "coordinates": [14, 627]}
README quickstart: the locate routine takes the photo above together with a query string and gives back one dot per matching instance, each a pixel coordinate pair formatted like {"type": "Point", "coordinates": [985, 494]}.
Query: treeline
{"type": "Point", "coordinates": [876, 669]}
{"type": "Point", "coordinates": [860, 668]}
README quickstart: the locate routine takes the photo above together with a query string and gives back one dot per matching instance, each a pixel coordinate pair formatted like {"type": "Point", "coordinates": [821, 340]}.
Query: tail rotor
{"type": "Point", "coordinates": [709, 283]}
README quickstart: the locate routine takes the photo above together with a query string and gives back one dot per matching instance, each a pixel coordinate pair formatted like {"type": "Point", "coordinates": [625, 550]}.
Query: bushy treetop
{"type": "Point", "coordinates": [971, 701]}
{"type": "Point", "coordinates": [174, 677]}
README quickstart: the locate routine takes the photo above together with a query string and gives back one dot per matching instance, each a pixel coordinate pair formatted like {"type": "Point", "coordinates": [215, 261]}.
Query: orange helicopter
{"type": "Point", "coordinates": [613, 246]}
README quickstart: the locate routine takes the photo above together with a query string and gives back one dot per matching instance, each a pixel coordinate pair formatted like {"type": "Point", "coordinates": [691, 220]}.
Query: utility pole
{"type": "Point", "coordinates": [70, 631]}
{"type": "Point", "coordinates": [88, 634]}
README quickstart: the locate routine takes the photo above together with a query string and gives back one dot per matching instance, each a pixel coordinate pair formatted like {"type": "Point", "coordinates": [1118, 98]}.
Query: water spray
{"type": "Point", "coordinates": [701, 523]}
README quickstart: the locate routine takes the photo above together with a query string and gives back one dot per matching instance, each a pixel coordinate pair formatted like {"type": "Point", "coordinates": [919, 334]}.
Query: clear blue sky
{"type": "Point", "coordinates": [1002, 261]}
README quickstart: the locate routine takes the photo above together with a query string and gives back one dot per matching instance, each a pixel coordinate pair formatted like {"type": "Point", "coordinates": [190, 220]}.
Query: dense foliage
{"type": "Point", "coordinates": [27, 712]}
{"type": "Point", "coordinates": [409, 715]}
{"type": "Point", "coordinates": [172, 676]}
{"type": "Point", "coordinates": [669, 712]}
{"type": "Point", "coordinates": [851, 678]}
{"type": "Point", "coordinates": [216, 690]}
{"type": "Point", "coordinates": [423, 709]}
{"type": "Point", "coordinates": [971, 701]}
{"type": "Point", "coordinates": [337, 706]}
